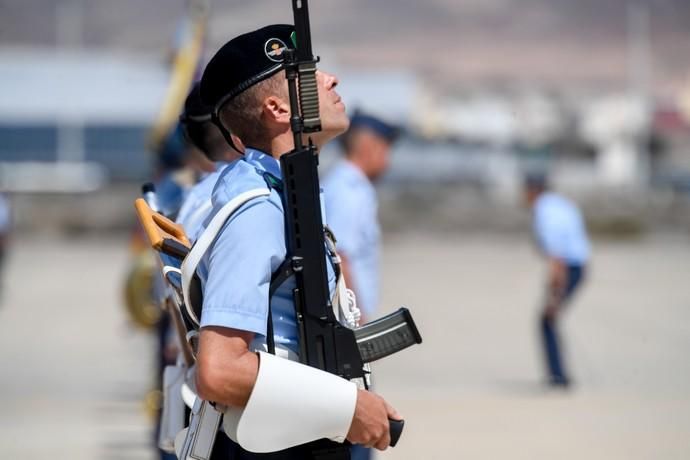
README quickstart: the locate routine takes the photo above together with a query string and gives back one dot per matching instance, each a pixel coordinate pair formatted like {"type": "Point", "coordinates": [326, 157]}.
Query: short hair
{"type": "Point", "coordinates": [201, 136]}
{"type": "Point", "coordinates": [361, 121]}
{"type": "Point", "coordinates": [241, 115]}
{"type": "Point", "coordinates": [536, 181]}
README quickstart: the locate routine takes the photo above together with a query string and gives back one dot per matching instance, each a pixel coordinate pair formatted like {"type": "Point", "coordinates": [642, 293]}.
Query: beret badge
{"type": "Point", "coordinates": [274, 48]}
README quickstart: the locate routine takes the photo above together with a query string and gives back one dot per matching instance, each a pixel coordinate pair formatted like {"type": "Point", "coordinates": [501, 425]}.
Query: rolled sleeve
{"type": "Point", "coordinates": [249, 248]}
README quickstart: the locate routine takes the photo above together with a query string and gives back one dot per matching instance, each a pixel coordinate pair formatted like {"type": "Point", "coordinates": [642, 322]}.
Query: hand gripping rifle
{"type": "Point", "coordinates": [324, 342]}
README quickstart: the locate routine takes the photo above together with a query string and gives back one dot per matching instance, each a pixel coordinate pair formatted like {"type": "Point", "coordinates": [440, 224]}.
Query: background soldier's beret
{"type": "Point", "coordinates": [243, 62]}
{"type": "Point", "coordinates": [361, 120]}
{"type": "Point", "coordinates": [536, 179]}
{"type": "Point", "coordinates": [195, 111]}
{"type": "Point", "coordinates": [196, 121]}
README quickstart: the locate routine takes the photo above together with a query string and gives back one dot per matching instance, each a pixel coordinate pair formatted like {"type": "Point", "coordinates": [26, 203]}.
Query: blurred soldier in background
{"type": "Point", "coordinates": [204, 153]}
{"type": "Point", "coordinates": [205, 136]}
{"type": "Point", "coordinates": [352, 212]}
{"type": "Point", "coordinates": [352, 205]}
{"type": "Point", "coordinates": [176, 167]}
{"type": "Point", "coordinates": [172, 177]}
{"type": "Point", "coordinates": [5, 225]}
{"type": "Point", "coordinates": [561, 235]}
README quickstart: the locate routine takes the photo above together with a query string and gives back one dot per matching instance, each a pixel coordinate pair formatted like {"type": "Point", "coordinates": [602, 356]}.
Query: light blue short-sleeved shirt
{"type": "Point", "coordinates": [197, 204]}
{"type": "Point", "coordinates": [352, 207]}
{"type": "Point", "coordinates": [560, 229]}
{"type": "Point", "coordinates": [5, 215]}
{"type": "Point", "coordinates": [170, 193]}
{"type": "Point", "coordinates": [236, 270]}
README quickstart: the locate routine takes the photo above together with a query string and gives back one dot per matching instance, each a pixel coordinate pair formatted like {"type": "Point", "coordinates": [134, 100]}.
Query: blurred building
{"type": "Point", "coordinates": [70, 120]}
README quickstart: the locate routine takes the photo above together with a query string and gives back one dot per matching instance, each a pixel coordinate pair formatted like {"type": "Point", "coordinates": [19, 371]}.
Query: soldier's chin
{"type": "Point", "coordinates": [336, 126]}
{"type": "Point", "coordinates": [343, 123]}
{"type": "Point", "coordinates": [327, 134]}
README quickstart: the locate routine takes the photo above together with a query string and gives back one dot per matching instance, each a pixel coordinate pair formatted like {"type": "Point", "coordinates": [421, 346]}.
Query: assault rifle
{"type": "Point", "coordinates": [324, 342]}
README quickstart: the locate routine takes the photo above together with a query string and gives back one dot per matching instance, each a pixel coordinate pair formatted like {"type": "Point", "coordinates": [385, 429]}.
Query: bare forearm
{"type": "Point", "coordinates": [227, 372]}
{"type": "Point", "coordinates": [226, 369]}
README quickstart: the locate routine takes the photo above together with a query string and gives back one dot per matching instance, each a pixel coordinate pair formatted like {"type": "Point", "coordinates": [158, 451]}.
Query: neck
{"type": "Point", "coordinates": [284, 143]}
{"type": "Point", "coordinates": [358, 162]}
{"type": "Point", "coordinates": [281, 144]}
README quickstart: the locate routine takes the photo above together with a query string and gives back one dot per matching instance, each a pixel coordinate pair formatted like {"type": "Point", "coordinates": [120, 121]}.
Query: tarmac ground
{"type": "Point", "coordinates": [74, 372]}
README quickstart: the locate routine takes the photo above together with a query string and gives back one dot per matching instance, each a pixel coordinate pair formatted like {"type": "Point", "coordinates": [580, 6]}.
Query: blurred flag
{"type": "Point", "coordinates": [186, 62]}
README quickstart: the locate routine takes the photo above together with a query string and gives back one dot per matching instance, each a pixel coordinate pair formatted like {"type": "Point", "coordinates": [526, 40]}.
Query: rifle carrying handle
{"type": "Point", "coordinates": [396, 428]}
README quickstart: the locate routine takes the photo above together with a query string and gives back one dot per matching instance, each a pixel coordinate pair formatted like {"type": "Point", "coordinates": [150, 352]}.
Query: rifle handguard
{"type": "Point", "coordinates": [309, 97]}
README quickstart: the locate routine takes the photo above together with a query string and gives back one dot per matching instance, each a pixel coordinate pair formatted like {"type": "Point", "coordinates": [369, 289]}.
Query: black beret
{"type": "Point", "coordinates": [243, 62]}
{"type": "Point", "coordinates": [195, 111]}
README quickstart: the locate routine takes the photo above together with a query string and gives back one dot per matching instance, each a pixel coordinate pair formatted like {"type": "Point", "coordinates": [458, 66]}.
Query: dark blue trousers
{"type": "Point", "coordinates": [549, 333]}
{"type": "Point", "coordinates": [225, 449]}
{"type": "Point", "coordinates": [360, 453]}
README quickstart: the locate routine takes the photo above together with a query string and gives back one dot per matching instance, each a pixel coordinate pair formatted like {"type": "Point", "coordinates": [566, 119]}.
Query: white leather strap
{"type": "Point", "coordinates": [291, 404]}
{"type": "Point", "coordinates": [173, 413]}
{"type": "Point", "coordinates": [191, 262]}
{"type": "Point", "coordinates": [344, 300]}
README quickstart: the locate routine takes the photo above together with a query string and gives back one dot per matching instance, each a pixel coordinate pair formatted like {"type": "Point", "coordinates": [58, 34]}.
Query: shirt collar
{"type": "Point", "coordinates": [355, 173]}
{"type": "Point", "coordinates": [354, 170]}
{"type": "Point", "coordinates": [544, 197]}
{"type": "Point", "coordinates": [262, 162]}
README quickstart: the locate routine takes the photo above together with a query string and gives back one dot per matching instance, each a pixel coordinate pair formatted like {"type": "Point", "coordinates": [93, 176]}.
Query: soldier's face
{"type": "Point", "coordinates": [530, 196]}
{"type": "Point", "coordinates": [375, 153]}
{"type": "Point", "coordinates": [382, 158]}
{"type": "Point", "coordinates": [334, 120]}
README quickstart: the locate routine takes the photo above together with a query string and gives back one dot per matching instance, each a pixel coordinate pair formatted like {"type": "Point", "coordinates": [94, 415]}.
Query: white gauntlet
{"type": "Point", "coordinates": [291, 404]}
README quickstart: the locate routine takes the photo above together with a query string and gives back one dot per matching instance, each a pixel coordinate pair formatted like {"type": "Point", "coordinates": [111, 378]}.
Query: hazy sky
{"type": "Point", "coordinates": [544, 41]}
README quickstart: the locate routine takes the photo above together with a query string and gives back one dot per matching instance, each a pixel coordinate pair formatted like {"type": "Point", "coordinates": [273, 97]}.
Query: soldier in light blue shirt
{"type": "Point", "coordinates": [352, 207]}
{"type": "Point", "coordinates": [245, 82]}
{"type": "Point", "coordinates": [200, 131]}
{"type": "Point", "coordinates": [352, 204]}
{"type": "Point", "coordinates": [5, 226]}
{"type": "Point", "coordinates": [561, 235]}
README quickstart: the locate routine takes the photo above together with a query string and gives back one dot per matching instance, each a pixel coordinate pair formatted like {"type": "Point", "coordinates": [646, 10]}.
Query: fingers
{"type": "Point", "coordinates": [370, 426]}
{"type": "Point", "coordinates": [382, 441]}
{"type": "Point", "coordinates": [392, 413]}
{"type": "Point", "coordinates": [385, 440]}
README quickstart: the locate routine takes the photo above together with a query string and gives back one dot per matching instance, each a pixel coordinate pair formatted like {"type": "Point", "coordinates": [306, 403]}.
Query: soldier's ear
{"type": "Point", "coordinates": [276, 109]}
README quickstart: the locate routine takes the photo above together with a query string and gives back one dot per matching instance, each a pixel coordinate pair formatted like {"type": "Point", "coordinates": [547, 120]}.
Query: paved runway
{"type": "Point", "coordinates": [74, 373]}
